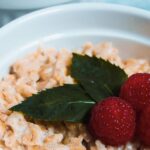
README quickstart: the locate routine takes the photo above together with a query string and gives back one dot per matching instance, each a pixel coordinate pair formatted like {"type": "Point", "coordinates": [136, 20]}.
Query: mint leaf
{"type": "Point", "coordinates": [98, 77]}
{"type": "Point", "coordinates": [64, 103]}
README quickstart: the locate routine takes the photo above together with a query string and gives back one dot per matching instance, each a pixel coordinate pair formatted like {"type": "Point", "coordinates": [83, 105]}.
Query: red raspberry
{"type": "Point", "coordinates": [136, 90]}
{"type": "Point", "coordinates": [113, 121]}
{"type": "Point", "coordinates": [144, 126]}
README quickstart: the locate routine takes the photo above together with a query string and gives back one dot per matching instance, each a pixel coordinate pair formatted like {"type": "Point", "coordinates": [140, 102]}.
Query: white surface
{"type": "Point", "coordinates": [29, 4]}
{"type": "Point", "coordinates": [72, 25]}
{"type": "Point", "coordinates": [145, 4]}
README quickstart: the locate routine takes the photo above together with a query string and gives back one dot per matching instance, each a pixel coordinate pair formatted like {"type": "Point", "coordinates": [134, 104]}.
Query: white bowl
{"type": "Point", "coordinates": [72, 25]}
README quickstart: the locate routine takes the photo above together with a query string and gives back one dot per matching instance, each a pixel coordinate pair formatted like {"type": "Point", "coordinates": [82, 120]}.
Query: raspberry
{"type": "Point", "coordinates": [144, 126]}
{"type": "Point", "coordinates": [113, 121]}
{"type": "Point", "coordinates": [136, 90]}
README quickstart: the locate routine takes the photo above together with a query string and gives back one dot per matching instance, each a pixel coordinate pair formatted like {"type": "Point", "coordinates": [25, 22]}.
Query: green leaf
{"type": "Point", "coordinates": [65, 103]}
{"type": "Point", "coordinates": [98, 77]}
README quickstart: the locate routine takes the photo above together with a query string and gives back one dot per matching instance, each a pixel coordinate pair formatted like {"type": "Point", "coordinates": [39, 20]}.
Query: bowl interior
{"type": "Point", "coordinates": [71, 26]}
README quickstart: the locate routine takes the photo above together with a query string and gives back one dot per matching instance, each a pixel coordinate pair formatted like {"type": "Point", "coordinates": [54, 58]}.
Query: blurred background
{"type": "Point", "coordinates": [11, 9]}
